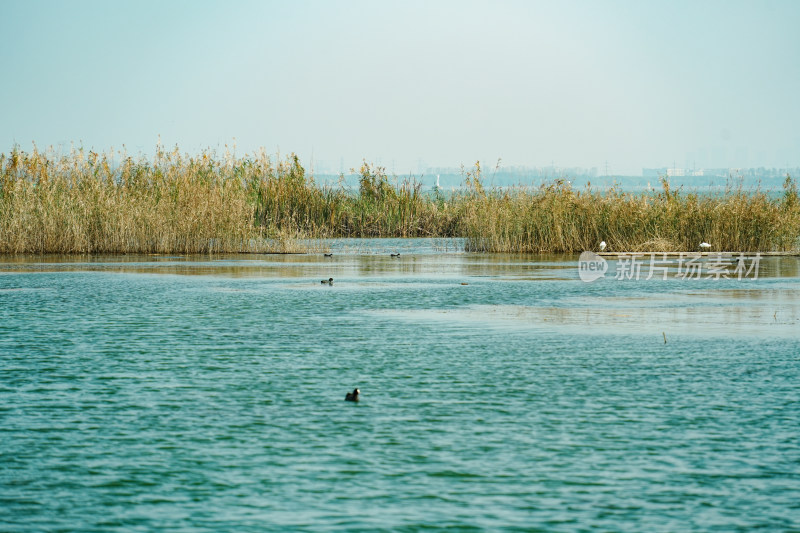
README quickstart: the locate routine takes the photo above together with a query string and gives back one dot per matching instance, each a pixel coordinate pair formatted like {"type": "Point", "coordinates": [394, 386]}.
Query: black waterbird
{"type": "Point", "coordinates": [352, 396]}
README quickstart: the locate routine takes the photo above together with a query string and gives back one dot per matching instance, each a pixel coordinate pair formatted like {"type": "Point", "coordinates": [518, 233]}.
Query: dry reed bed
{"type": "Point", "coordinates": [87, 203]}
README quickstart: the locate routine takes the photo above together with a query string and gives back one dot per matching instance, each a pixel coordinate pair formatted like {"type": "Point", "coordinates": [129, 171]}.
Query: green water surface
{"type": "Point", "coordinates": [160, 393]}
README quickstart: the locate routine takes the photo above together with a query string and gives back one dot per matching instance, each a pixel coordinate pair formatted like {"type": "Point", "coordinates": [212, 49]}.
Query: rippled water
{"type": "Point", "coordinates": [498, 392]}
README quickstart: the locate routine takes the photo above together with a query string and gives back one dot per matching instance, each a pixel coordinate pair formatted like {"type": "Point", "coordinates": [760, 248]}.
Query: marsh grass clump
{"type": "Point", "coordinates": [557, 218]}
{"type": "Point", "coordinates": [85, 202]}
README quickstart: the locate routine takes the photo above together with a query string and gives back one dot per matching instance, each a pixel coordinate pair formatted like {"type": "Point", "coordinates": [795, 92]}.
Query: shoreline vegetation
{"type": "Point", "coordinates": [89, 203]}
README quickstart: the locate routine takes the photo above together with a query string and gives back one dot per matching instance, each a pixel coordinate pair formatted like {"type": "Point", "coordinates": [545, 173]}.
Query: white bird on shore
{"type": "Point", "coordinates": [602, 245]}
{"type": "Point", "coordinates": [705, 245]}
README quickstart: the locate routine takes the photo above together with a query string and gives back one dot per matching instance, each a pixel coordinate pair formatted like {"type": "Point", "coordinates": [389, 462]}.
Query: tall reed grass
{"type": "Point", "coordinates": [556, 218]}
{"type": "Point", "coordinates": [85, 202]}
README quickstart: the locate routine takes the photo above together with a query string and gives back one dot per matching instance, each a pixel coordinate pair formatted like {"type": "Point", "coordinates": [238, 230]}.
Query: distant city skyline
{"type": "Point", "coordinates": [628, 85]}
{"type": "Point", "coordinates": [544, 174]}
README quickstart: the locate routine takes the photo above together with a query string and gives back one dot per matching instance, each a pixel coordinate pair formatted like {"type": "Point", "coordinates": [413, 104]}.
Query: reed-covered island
{"type": "Point", "coordinates": [85, 202]}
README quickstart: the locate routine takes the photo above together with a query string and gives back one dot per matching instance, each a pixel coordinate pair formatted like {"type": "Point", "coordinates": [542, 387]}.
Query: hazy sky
{"type": "Point", "coordinates": [404, 83]}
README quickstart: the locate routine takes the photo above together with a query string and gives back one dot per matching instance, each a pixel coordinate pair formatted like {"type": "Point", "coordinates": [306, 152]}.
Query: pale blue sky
{"type": "Point", "coordinates": [576, 83]}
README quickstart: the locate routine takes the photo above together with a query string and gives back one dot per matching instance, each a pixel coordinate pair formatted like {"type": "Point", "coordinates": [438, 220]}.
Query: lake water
{"type": "Point", "coordinates": [499, 392]}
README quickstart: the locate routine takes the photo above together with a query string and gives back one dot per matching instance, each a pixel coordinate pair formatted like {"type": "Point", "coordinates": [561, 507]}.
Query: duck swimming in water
{"type": "Point", "coordinates": [352, 396]}
{"type": "Point", "coordinates": [328, 281]}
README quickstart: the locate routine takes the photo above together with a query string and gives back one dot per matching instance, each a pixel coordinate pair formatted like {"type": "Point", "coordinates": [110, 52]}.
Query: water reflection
{"type": "Point", "coordinates": [688, 317]}
{"type": "Point", "coordinates": [351, 258]}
